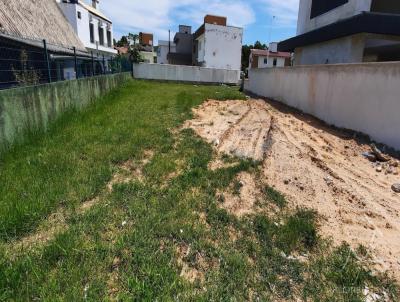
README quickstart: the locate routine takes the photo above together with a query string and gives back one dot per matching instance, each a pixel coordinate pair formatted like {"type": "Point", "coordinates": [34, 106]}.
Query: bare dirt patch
{"type": "Point", "coordinates": [243, 201]}
{"type": "Point", "coordinates": [314, 166]}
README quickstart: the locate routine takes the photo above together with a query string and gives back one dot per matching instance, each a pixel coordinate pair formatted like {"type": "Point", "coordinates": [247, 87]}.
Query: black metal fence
{"type": "Point", "coordinates": [23, 64]}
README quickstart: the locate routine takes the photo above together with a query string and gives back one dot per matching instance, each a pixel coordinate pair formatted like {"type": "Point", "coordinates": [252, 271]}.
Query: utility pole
{"type": "Point", "coordinates": [169, 41]}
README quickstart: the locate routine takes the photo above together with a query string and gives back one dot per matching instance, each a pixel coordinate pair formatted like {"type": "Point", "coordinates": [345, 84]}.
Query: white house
{"type": "Point", "coordinates": [164, 48]}
{"type": "Point", "coordinates": [217, 45]}
{"type": "Point", "coordinates": [269, 58]}
{"type": "Point", "coordinates": [93, 28]}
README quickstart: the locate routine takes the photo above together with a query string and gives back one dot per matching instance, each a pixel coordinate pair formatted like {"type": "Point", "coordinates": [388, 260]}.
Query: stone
{"type": "Point", "coordinates": [396, 188]}
{"type": "Point", "coordinates": [379, 169]}
{"type": "Point", "coordinates": [394, 164]}
{"type": "Point", "coordinates": [370, 156]}
{"type": "Point", "coordinates": [379, 155]}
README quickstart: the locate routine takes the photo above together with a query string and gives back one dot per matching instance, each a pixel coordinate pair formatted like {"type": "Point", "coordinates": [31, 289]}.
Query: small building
{"type": "Point", "coordinates": [92, 27]}
{"type": "Point", "coordinates": [23, 56]}
{"type": "Point", "coordinates": [269, 58]}
{"type": "Point", "coordinates": [164, 48]}
{"type": "Point", "coordinates": [184, 47]}
{"type": "Point", "coordinates": [217, 45]}
{"type": "Point", "coordinates": [346, 31]}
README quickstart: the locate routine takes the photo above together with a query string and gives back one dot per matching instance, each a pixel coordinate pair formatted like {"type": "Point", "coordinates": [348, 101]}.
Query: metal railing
{"type": "Point", "coordinates": [28, 64]}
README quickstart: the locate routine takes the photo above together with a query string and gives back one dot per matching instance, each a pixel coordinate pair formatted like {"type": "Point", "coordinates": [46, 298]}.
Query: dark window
{"type": "Point", "coordinates": [320, 7]}
{"type": "Point", "coordinates": [91, 28]}
{"type": "Point", "coordinates": [79, 15]}
{"type": "Point", "coordinates": [275, 62]}
{"type": "Point", "coordinates": [386, 6]}
{"type": "Point", "coordinates": [265, 61]}
{"type": "Point", "coordinates": [101, 35]}
{"type": "Point", "coordinates": [109, 42]}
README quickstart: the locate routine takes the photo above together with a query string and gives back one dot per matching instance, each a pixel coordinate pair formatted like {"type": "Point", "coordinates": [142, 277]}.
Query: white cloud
{"type": "Point", "coordinates": [285, 11]}
{"type": "Point", "coordinates": [157, 16]}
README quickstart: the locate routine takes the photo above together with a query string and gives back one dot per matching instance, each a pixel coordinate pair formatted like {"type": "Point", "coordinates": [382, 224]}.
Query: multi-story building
{"type": "Point", "coordinates": [184, 47]}
{"type": "Point", "coordinates": [146, 47]}
{"type": "Point", "coordinates": [346, 31]}
{"type": "Point", "coordinates": [217, 45]}
{"type": "Point", "coordinates": [92, 27]}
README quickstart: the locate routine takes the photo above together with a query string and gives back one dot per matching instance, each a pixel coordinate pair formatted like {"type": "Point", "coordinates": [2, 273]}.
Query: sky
{"type": "Point", "coordinates": [263, 20]}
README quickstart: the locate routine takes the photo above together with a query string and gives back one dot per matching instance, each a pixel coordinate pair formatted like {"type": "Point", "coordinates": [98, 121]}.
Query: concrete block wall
{"type": "Point", "coordinates": [362, 97]}
{"type": "Point", "coordinates": [34, 108]}
{"type": "Point", "coordinates": [180, 73]}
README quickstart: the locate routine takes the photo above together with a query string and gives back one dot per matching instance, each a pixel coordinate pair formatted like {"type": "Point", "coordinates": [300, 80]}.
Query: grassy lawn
{"type": "Point", "coordinates": [162, 235]}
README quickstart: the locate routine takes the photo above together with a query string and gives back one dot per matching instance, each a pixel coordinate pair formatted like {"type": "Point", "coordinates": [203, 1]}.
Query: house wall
{"type": "Point", "coordinates": [344, 50]}
{"type": "Point", "coordinates": [280, 62]}
{"type": "Point", "coordinates": [181, 73]}
{"type": "Point", "coordinates": [81, 27]}
{"type": "Point", "coordinates": [163, 50]}
{"type": "Point", "coordinates": [223, 47]}
{"type": "Point", "coordinates": [351, 8]}
{"type": "Point", "coordinates": [361, 97]}
{"type": "Point", "coordinates": [34, 108]}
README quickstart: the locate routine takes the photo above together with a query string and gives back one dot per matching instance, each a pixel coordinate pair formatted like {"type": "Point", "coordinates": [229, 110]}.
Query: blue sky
{"type": "Point", "coordinates": [264, 20]}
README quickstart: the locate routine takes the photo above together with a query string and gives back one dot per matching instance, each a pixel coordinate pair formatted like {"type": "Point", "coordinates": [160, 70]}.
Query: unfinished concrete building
{"type": "Point", "coordinates": [346, 31]}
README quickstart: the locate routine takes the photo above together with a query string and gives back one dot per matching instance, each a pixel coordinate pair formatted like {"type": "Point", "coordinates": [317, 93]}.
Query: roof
{"type": "Point", "coordinates": [267, 53]}
{"type": "Point", "coordinates": [93, 11]}
{"type": "Point", "coordinates": [366, 22]}
{"type": "Point", "coordinates": [31, 21]}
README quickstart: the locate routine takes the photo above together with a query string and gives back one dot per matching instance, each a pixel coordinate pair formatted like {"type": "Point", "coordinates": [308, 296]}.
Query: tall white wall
{"type": "Point", "coordinates": [223, 47]}
{"type": "Point", "coordinates": [362, 97]}
{"type": "Point", "coordinates": [305, 23]}
{"type": "Point", "coordinates": [181, 73]}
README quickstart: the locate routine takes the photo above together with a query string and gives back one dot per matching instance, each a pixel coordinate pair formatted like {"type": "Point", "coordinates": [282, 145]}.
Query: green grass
{"type": "Point", "coordinates": [126, 248]}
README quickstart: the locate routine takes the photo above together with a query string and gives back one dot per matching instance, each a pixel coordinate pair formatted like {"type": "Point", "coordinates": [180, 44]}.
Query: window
{"type": "Point", "coordinates": [275, 62]}
{"type": "Point", "coordinates": [265, 61]}
{"type": "Point", "coordinates": [91, 28]}
{"type": "Point", "coordinates": [79, 15]}
{"type": "Point", "coordinates": [101, 35]}
{"type": "Point", "coordinates": [109, 42]}
{"type": "Point", "coordinates": [320, 7]}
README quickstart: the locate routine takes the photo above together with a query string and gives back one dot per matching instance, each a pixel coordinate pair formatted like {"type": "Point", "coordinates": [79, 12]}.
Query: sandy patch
{"type": "Point", "coordinates": [314, 166]}
{"type": "Point", "coordinates": [243, 202]}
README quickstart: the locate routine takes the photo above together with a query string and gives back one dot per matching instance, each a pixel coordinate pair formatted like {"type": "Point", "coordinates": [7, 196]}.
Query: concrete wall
{"type": "Point", "coordinates": [33, 108]}
{"type": "Point", "coordinates": [352, 8]}
{"type": "Point", "coordinates": [222, 47]}
{"type": "Point", "coordinates": [344, 50]}
{"type": "Point", "coordinates": [182, 73]}
{"type": "Point", "coordinates": [362, 97]}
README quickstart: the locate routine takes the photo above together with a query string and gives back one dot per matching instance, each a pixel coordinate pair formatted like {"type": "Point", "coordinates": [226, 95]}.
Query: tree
{"type": "Point", "coordinates": [132, 38]}
{"type": "Point", "coordinates": [134, 54]}
{"type": "Point", "coordinates": [122, 42]}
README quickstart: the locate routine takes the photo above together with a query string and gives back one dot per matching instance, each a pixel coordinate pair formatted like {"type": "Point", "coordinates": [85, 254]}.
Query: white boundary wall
{"type": "Point", "coordinates": [182, 73]}
{"type": "Point", "coordinates": [362, 97]}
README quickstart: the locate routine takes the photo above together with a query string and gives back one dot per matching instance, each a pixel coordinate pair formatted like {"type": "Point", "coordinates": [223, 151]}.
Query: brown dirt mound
{"type": "Point", "coordinates": [315, 166]}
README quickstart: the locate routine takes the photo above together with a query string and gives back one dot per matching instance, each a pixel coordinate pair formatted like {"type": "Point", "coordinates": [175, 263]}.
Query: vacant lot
{"type": "Point", "coordinates": [120, 202]}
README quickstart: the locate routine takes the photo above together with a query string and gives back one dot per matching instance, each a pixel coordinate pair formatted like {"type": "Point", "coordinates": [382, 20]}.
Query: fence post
{"type": "Point", "coordinates": [46, 54]}
{"type": "Point", "coordinates": [132, 74]}
{"type": "Point", "coordinates": [92, 65]}
{"type": "Point", "coordinates": [76, 64]}
{"type": "Point", "coordinates": [104, 65]}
